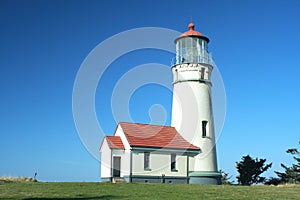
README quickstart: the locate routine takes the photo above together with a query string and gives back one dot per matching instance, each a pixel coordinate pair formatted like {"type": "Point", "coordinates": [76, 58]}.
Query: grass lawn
{"type": "Point", "coordinates": [60, 191]}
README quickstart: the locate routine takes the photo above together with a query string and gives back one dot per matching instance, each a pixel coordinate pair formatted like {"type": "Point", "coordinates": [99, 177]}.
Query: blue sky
{"type": "Point", "coordinates": [255, 45]}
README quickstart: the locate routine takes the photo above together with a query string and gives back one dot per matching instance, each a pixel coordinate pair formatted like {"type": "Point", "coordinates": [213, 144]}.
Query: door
{"type": "Point", "coordinates": [116, 166]}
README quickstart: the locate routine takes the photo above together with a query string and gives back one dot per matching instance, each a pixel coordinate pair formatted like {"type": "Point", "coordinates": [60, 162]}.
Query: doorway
{"type": "Point", "coordinates": [116, 166]}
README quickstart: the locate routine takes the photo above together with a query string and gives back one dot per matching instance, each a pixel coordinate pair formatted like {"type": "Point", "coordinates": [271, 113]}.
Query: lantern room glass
{"type": "Point", "coordinates": [191, 50]}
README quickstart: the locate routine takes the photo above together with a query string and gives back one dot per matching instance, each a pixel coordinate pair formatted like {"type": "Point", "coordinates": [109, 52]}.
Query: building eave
{"type": "Point", "coordinates": [166, 150]}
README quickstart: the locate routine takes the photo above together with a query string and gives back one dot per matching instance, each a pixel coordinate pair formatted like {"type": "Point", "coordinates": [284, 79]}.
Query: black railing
{"type": "Point", "coordinates": [195, 59]}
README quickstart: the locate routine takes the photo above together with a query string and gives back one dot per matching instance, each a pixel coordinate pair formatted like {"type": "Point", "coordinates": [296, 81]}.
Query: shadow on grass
{"type": "Point", "coordinates": [4, 181]}
{"type": "Point", "coordinates": [78, 198]}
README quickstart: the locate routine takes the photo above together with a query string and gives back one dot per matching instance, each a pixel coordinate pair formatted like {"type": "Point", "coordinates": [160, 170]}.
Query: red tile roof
{"type": "Point", "coordinates": [146, 135]}
{"type": "Point", "coordinates": [114, 142]}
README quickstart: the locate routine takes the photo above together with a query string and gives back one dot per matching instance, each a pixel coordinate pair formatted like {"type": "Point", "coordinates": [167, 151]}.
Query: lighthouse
{"type": "Point", "coordinates": [192, 111]}
{"type": "Point", "coordinates": [184, 152]}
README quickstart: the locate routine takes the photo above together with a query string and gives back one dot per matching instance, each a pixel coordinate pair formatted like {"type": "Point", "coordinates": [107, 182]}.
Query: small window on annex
{"type": "Point", "coordinates": [146, 160]}
{"type": "Point", "coordinates": [173, 162]}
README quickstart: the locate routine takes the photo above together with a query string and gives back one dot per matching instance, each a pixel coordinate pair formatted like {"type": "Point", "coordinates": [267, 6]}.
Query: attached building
{"type": "Point", "coordinates": [146, 153]}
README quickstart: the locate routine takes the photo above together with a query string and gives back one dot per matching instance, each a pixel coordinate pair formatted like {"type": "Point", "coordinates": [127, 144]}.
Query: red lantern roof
{"type": "Point", "coordinates": [192, 33]}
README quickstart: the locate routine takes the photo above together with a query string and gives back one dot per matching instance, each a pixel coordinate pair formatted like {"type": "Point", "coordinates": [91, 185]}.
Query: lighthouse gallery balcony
{"type": "Point", "coordinates": [207, 59]}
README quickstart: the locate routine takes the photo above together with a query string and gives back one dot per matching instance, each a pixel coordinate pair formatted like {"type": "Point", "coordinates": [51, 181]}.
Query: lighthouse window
{"type": "Point", "coordinates": [204, 127]}
{"type": "Point", "coordinates": [146, 160]}
{"type": "Point", "coordinates": [202, 72]}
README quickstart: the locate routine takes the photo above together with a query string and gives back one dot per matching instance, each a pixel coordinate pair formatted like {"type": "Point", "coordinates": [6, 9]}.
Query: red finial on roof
{"type": "Point", "coordinates": [191, 26]}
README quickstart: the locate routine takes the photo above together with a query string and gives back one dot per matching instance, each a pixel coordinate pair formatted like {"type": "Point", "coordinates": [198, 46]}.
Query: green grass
{"type": "Point", "coordinates": [90, 191]}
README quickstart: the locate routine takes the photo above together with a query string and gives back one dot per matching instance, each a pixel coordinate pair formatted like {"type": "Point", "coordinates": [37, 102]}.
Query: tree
{"type": "Point", "coordinates": [250, 170]}
{"type": "Point", "coordinates": [273, 181]}
{"type": "Point", "coordinates": [225, 179]}
{"type": "Point", "coordinates": [291, 174]}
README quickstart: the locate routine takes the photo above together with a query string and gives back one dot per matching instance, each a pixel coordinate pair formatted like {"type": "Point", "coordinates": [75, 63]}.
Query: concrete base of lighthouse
{"type": "Point", "coordinates": [211, 178]}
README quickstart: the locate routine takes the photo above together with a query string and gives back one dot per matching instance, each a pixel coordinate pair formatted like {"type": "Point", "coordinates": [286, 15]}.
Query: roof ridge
{"type": "Point", "coordinates": [111, 136]}
{"type": "Point", "coordinates": [146, 124]}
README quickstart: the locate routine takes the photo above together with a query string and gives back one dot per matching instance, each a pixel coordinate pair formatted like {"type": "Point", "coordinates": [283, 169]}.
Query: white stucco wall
{"type": "Point", "coordinates": [192, 164]}
{"type": "Point", "coordinates": [105, 160]}
{"type": "Point", "coordinates": [159, 164]}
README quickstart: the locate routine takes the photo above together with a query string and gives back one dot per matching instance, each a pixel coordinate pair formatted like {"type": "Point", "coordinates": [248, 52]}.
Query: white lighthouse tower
{"type": "Point", "coordinates": [192, 113]}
